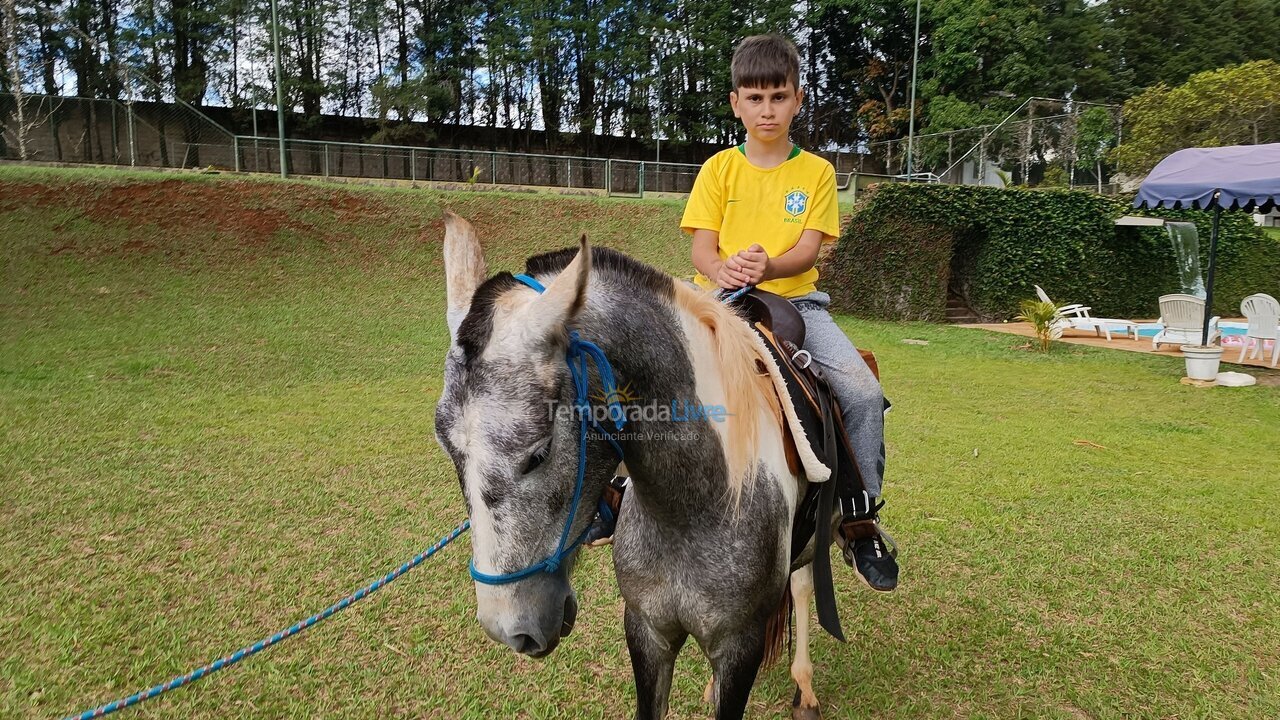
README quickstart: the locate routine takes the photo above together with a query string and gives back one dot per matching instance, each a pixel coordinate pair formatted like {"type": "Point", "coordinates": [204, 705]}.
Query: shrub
{"type": "Point", "coordinates": [906, 244]}
{"type": "Point", "coordinates": [1045, 320]}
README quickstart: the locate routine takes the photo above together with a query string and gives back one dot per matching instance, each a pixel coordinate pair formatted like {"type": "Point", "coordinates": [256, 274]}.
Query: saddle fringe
{"type": "Point", "coordinates": [777, 628]}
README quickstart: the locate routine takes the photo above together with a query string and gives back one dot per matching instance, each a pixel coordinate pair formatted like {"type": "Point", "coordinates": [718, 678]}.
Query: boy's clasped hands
{"type": "Point", "coordinates": [747, 267]}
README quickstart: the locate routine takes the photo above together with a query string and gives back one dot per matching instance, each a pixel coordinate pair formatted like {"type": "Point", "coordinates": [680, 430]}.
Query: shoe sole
{"type": "Point", "coordinates": [868, 582]}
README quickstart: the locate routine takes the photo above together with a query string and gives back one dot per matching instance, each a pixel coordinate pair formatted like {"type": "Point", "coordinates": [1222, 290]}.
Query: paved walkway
{"type": "Point", "coordinates": [1121, 342]}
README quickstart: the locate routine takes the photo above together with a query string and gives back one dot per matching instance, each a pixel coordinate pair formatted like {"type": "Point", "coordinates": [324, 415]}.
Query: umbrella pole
{"type": "Point", "coordinates": [1208, 290]}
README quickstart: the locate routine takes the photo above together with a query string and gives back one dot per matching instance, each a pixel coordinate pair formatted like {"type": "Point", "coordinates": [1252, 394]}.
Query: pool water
{"type": "Point", "coordinates": [1226, 328]}
{"type": "Point", "coordinates": [1232, 333]}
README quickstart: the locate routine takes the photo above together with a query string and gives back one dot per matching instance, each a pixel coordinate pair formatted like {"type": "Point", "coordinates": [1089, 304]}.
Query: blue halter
{"type": "Point", "coordinates": [579, 352]}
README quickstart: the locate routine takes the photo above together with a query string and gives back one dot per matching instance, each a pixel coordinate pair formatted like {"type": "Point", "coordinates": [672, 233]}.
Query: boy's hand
{"type": "Point", "coordinates": [752, 262]}
{"type": "Point", "coordinates": [730, 275]}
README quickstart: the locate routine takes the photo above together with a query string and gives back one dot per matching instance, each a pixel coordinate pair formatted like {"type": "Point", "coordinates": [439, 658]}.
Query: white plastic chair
{"type": "Point", "coordinates": [1076, 317]}
{"type": "Point", "coordinates": [1182, 318]}
{"type": "Point", "coordinates": [1263, 313]}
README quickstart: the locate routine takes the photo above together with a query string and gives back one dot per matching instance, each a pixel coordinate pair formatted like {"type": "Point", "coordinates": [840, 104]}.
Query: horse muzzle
{"type": "Point", "coordinates": [529, 620]}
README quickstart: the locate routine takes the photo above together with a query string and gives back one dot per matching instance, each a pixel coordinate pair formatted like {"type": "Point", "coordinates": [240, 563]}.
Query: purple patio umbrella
{"type": "Point", "coordinates": [1241, 177]}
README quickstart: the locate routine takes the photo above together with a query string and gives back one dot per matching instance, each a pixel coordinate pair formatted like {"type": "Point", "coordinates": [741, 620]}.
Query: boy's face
{"type": "Point", "coordinates": [767, 112]}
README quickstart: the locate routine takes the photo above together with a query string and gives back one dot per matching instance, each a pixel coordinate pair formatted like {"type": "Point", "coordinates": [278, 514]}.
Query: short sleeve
{"type": "Point", "coordinates": [824, 216]}
{"type": "Point", "coordinates": [705, 208]}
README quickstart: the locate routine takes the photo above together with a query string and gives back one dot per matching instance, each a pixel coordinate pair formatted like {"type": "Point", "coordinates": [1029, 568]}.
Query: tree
{"type": "Point", "coordinates": [1094, 133]}
{"type": "Point", "coordinates": [1236, 105]}
{"type": "Point", "coordinates": [985, 46]}
{"type": "Point", "coordinates": [1167, 41]}
{"type": "Point", "coordinates": [14, 77]}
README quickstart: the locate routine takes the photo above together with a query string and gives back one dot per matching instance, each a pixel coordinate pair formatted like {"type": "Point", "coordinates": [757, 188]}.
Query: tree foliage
{"type": "Point", "coordinates": [635, 68]}
{"type": "Point", "coordinates": [1232, 106]}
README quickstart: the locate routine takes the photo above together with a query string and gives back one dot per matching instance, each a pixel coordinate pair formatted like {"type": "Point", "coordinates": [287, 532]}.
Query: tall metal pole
{"type": "Point", "coordinates": [1213, 254]}
{"type": "Point", "coordinates": [275, 39]}
{"type": "Point", "coordinates": [911, 121]}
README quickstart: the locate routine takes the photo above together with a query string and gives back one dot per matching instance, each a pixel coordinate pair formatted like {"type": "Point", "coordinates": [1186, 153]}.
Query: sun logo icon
{"type": "Point", "coordinates": [622, 396]}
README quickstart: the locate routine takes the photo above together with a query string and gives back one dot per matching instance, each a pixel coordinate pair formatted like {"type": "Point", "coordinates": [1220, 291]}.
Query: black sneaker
{"type": "Point", "coordinates": [601, 531]}
{"type": "Point", "coordinates": [873, 560]}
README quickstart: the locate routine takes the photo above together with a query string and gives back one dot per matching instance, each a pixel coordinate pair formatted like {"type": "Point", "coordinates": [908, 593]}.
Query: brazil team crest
{"type": "Point", "coordinates": [796, 202]}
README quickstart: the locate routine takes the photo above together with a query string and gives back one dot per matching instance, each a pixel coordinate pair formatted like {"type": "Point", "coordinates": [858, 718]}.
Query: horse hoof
{"type": "Point", "coordinates": [806, 713]}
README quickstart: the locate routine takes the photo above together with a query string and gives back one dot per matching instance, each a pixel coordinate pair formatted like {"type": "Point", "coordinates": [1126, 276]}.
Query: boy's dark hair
{"type": "Point", "coordinates": [765, 61]}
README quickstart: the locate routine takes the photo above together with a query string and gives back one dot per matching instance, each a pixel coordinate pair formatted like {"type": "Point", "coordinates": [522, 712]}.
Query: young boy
{"type": "Point", "coordinates": [758, 213]}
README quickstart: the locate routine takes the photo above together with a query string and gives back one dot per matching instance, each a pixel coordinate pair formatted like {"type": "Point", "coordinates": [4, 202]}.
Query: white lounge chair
{"type": "Point", "coordinates": [1076, 317]}
{"type": "Point", "coordinates": [1074, 310]}
{"type": "Point", "coordinates": [1182, 318]}
{"type": "Point", "coordinates": [1263, 313]}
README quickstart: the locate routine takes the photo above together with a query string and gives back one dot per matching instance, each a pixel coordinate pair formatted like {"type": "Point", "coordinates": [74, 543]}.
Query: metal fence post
{"type": "Point", "coordinates": [608, 177]}
{"type": "Point", "coordinates": [326, 161]}
{"type": "Point", "coordinates": [133, 146]}
{"type": "Point", "coordinates": [413, 166]}
{"type": "Point", "coordinates": [493, 168]}
{"type": "Point", "coordinates": [235, 148]}
{"type": "Point", "coordinates": [641, 178]}
{"type": "Point", "coordinates": [569, 171]}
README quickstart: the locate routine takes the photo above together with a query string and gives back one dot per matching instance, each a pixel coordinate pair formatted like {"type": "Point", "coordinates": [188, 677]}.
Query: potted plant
{"type": "Point", "coordinates": [1202, 361]}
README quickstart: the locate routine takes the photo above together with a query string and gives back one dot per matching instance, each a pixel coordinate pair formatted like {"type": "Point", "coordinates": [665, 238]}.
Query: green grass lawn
{"type": "Point", "coordinates": [216, 406]}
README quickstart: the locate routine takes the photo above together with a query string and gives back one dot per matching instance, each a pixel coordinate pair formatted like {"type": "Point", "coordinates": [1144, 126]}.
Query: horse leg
{"type": "Point", "coordinates": [735, 662]}
{"type": "Point", "coordinates": [653, 658]}
{"type": "Point", "coordinates": [805, 704]}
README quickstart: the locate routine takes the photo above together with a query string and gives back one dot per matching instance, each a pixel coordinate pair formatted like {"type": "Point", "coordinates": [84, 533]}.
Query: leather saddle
{"type": "Point", "coordinates": [781, 326]}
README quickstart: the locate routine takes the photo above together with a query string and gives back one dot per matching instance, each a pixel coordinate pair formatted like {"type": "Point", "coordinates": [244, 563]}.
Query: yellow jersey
{"type": "Point", "coordinates": [772, 207]}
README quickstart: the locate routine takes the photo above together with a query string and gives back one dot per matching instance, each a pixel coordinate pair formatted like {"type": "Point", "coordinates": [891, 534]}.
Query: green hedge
{"type": "Point", "coordinates": [906, 243]}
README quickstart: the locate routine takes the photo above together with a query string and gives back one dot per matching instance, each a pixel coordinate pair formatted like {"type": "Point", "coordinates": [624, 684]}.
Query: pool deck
{"type": "Point", "coordinates": [1121, 342]}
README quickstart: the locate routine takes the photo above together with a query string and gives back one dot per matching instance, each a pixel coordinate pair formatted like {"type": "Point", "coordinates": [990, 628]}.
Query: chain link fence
{"type": "Point", "coordinates": [1039, 150]}
{"type": "Point", "coordinates": [424, 164]}
{"type": "Point", "coordinates": [167, 135]}
{"type": "Point", "coordinates": [43, 128]}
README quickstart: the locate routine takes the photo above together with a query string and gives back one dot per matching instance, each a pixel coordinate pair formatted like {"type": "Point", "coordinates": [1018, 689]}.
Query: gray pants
{"type": "Point", "coordinates": [861, 398]}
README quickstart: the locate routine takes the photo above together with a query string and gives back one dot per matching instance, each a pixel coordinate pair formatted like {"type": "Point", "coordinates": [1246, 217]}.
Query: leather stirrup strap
{"type": "Point", "coordinates": [823, 587]}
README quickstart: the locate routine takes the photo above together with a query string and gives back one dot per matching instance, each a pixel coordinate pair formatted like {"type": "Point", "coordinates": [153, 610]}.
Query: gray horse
{"type": "Point", "coordinates": [703, 535]}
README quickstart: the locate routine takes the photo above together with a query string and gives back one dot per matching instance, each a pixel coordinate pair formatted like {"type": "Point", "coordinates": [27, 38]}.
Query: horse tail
{"type": "Point", "coordinates": [777, 628]}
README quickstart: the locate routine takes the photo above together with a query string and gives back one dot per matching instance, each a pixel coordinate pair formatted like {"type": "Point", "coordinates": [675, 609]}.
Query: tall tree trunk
{"type": "Point", "coordinates": [12, 59]}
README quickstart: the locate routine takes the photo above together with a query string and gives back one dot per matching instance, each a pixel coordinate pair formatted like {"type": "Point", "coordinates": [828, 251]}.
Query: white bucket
{"type": "Point", "coordinates": [1202, 361]}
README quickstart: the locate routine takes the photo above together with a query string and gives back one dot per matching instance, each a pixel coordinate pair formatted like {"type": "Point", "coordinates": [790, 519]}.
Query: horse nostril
{"type": "Point", "coordinates": [570, 616]}
{"type": "Point", "coordinates": [526, 645]}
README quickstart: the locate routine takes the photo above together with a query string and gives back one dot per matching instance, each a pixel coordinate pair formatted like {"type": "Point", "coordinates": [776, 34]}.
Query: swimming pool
{"type": "Point", "coordinates": [1226, 328]}
{"type": "Point", "coordinates": [1232, 332]}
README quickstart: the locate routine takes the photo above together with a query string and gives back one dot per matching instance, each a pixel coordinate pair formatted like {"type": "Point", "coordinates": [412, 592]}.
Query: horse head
{"type": "Point", "coordinates": [504, 418]}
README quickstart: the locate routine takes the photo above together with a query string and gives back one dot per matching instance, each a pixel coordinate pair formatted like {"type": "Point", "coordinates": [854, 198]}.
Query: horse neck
{"type": "Point", "coordinates": [677, 463]}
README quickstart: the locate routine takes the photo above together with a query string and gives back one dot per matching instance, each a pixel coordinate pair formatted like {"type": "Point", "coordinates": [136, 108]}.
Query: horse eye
{"type": "Point", "coordinates": [536, 459]}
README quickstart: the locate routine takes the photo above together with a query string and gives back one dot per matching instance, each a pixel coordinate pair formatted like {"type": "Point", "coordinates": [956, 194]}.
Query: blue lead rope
{"type": "Point", "coordinates": [245, 652]}
{"type": "Point", "coordinates": [579, 353]}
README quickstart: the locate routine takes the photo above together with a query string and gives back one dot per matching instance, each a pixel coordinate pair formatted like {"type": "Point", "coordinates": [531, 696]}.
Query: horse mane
{"type": "Point", "coordinates": [748, 389]}
{"type": "Point", "coordinates": [608, 261]}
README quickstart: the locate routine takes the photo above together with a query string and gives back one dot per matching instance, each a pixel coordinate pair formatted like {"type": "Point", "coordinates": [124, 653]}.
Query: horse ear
{"type": "Point", "coordinates": [564, 297]}
{"type": "Point", "coordinates": [463, 268]}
